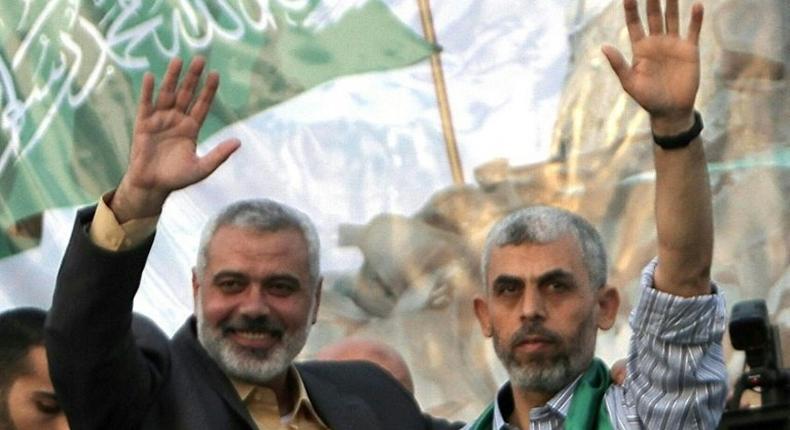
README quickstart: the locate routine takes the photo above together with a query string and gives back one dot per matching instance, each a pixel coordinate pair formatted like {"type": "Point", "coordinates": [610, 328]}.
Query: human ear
{"type": "Point", "coordinates": [481, 311]}
{"type": "Point", "coordinates": [317, 298]}
{"type": "Point", "coordinates": [608, 303]}
{"type": "Point", "coordinates": [195, 284]}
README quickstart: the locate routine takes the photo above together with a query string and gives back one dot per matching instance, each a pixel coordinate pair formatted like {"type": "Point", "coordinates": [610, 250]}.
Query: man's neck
{"type": "Point", "coordinates": [523, 402]}
{"type": "Point", "coordinates": [284, 387]}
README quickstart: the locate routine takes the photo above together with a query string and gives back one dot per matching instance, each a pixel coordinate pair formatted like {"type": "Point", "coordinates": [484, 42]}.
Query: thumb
{"type": "Point", "coordinates": [618, 63]}
{"type": "Point", "coordinates": [211, 161]}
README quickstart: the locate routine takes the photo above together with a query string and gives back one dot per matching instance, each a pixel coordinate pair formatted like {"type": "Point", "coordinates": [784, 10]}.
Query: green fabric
{"type": "Point", "coordinates": [70, 74]}
{"type": "Point", "coordinates": [587, 410]}
{"type": "Point", "coordinates": [485, 420]}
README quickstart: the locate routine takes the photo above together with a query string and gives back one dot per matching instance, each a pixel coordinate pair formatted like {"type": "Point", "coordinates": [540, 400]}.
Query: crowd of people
{"type": "Point", "coordinates": [257, 289]}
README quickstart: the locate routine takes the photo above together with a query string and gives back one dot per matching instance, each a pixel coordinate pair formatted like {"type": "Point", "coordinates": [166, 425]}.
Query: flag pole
{"type": "Point", "coordinates": [441, 95]}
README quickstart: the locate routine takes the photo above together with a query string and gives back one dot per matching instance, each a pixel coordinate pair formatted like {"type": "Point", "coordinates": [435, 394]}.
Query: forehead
{"type": "Point", "coordinates": [530, 260]}
{"type": "Point", "coordinates": [37, 374]}
{"type": "Point", "coordinates": [244, 245]}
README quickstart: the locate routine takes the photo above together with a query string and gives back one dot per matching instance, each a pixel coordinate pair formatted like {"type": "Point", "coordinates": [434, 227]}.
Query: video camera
{"type": "Point", "coordinates": [752, 332]}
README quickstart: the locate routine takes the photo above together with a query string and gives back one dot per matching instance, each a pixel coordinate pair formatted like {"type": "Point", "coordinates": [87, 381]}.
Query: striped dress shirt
{"type": "Point", "coordinates": [676, 377]}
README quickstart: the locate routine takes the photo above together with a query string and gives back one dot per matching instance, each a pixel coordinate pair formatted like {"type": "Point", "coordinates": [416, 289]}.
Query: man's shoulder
{"type": "Point", "coordinates": [360, 379]}
{"type": "Point", "coordinates": [363, 389]}
{"type": "Point", "coordinates": [345, 372]}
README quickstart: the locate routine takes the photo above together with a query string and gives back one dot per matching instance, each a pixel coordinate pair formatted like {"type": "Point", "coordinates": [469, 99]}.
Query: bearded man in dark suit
{"type": "Point", "coordinates": [256, 288]}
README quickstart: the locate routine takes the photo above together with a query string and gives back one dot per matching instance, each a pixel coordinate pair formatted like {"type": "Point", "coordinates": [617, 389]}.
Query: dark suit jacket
{"type": "Point", "coordinates": [113, 370]}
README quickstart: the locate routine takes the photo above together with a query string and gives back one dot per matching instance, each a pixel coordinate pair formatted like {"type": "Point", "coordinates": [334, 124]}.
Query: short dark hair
{"type": "Point", "coordinates": [21, 329]}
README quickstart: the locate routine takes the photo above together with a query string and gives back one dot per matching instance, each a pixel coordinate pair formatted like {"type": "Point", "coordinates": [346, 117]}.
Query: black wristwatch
{"type": "Point", "coordinates": [681, 140]}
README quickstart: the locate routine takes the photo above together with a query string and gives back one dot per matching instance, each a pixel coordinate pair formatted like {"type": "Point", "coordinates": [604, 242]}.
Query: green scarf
{"type": "Point", "coordinates": [587, 410]}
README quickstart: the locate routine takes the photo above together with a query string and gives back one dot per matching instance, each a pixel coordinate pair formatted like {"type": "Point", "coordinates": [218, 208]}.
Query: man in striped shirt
{"type": "Point", "coordinates": [545, 274]}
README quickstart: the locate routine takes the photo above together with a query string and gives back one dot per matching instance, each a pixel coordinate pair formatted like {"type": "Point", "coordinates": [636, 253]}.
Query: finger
{"type": "Point", "coordinates": [696, 23]}
{"type": "Point", "coordinates": [618, 371]}
{"type": "Point", "coordinates": [167, 90]}
{"type": "Point", "coordinates": [211, 161]}
{"type": "Point", "coordinates": [187, 89]}
{"type": "Point", "coordinates": [632, 21]}
{"type": "Point", "coordinates": [203, 103]}
{"type": "Point", "coordinates": [655, 19]}
{"type": "Point", "coordinates": [146, 93]}
{"type": "Point", "coordinates": [672, 17]}
{"type": "Point", "coordinates": [618, 63]}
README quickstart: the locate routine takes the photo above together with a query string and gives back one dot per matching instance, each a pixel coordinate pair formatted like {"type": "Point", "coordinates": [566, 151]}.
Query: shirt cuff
{"type": "Point", "coordinates": [675, 319]}
{"type": "Point", "coordinates": [107, 233]}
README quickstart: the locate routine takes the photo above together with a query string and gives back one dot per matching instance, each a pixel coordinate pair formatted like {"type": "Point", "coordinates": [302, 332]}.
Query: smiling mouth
{"type": "Point", "coordinates": [254, 339]}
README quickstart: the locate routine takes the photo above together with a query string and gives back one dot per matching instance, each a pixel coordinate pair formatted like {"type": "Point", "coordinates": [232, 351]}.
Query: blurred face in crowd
{"type": "Point", "coordinates": [32, 403]}
{"type": "Point", "coordinates": [255, 301]}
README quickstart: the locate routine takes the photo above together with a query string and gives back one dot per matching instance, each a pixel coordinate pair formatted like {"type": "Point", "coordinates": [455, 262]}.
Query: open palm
{"type": "Point", "coordinates": [163, 156]}
{"type": "Point", "coordinates": [663, 76]}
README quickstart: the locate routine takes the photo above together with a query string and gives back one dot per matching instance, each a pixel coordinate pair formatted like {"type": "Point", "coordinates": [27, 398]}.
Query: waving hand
{"type": "Point", "coordinates": [663, 76]}
{"type": "Point", "coordinates": [163, 155]}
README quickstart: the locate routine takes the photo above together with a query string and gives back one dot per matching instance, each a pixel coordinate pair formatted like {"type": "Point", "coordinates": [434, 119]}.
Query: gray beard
{"type": "Point", "coordinates": [552, 373]}
{"type": "Point", "coordinates": [244, 364]}
{"type": "Point", "coordinates": [548, 379]}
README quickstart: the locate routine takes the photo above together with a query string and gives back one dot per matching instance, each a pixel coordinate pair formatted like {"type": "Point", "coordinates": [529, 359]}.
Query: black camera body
{"type": "Point", "coordinates": [752, 332]}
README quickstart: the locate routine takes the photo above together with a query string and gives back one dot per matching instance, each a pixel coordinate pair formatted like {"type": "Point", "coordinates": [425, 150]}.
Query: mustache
{"type": "Point", "coordinates": [260, 324]}
{"type": "Point", "coordinates": [533, 330]}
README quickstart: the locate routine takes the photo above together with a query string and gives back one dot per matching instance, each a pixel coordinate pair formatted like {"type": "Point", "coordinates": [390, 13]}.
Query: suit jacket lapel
{"type": "Point", "coordinates": [339, 411]}
{"type": "Point", "coordinates": [186, 340]}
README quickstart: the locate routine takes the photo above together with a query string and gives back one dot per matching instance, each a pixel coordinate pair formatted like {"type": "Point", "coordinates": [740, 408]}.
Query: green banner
{"type": "Point", "coordinates": [70, 74]}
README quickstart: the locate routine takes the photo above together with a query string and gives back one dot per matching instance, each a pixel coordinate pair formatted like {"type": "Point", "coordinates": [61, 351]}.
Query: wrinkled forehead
{"type": "Point", "coordinates": [531, 258]}
{"type": "Point", "coordinates": [245, 243]}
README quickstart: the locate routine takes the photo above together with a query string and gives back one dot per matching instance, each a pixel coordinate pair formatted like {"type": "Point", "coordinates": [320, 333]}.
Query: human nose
{"type": "Point", "coordinates": [533, 305]}
{"type": "Point", "coordinates": [254, 302]}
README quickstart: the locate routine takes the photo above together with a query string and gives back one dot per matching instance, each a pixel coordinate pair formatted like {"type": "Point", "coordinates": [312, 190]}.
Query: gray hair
{"type": "Point", "coordinates": [544, 224]}
{"type": "Point", "coordinates": [262, 215]}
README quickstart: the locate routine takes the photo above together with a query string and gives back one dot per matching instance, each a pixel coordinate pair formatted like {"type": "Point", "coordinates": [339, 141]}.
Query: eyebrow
{"type": "Point", "coordinates": [552, 275]}
{"type": "Point", "coordinates": [228, 274]}
{"type": "Point", "coordinates": [507, 279]}
{"type": "Point", "coordinates": [556, 275]}
{"type": "Point", "coordinates": [273, 277]}
{"type": "Point", "coordinates": [282, 277]}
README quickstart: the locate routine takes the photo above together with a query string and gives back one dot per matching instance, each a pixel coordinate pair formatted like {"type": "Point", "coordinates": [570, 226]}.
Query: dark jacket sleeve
{"type": "Point", "coordinates": [103, 377]}
{"type": "Point", "coordinates": [361, 395]}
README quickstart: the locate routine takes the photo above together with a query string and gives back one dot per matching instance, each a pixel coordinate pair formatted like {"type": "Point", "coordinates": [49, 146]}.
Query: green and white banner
{"type": "Point", "coordinates": [70, 72]}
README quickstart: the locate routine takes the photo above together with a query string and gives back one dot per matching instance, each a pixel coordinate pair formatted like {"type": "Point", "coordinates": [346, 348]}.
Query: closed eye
{"type": "Point", "coordinates": [47, 403]}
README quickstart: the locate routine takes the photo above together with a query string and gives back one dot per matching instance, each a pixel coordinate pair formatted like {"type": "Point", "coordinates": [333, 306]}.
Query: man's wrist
{"type": "Point", "coordinates": [672, 125]}
{"type": "Point", "coordinates": [677, 133]}
{"type": "Point", "coordinates": [130, 203]}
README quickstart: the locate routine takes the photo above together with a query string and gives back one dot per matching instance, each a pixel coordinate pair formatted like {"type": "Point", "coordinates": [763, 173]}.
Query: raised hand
{"type": "Point", "coordinates": [664, 74]}
{"type": "Point", "coordinates": [163, 156]}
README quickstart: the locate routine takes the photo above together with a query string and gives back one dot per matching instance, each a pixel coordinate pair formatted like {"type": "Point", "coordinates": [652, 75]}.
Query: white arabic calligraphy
{"type": "Point", "coordinates": [125, 43]}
